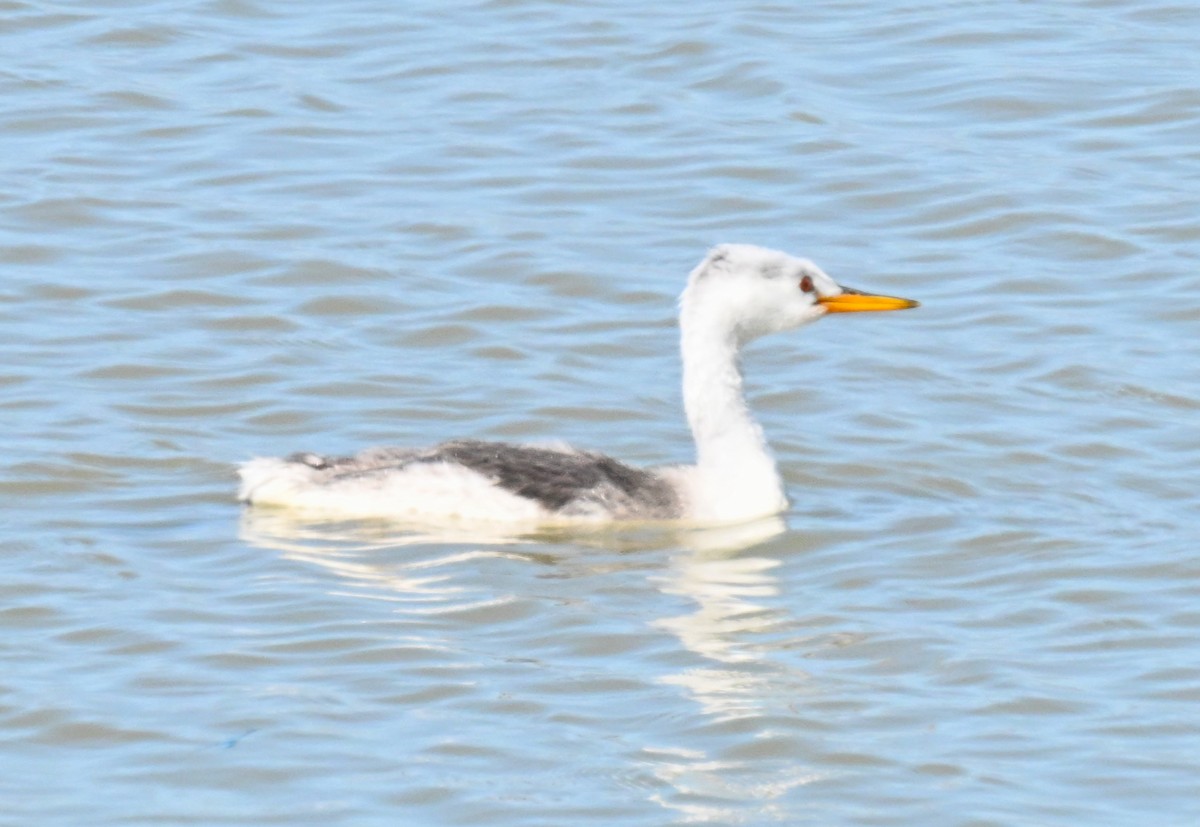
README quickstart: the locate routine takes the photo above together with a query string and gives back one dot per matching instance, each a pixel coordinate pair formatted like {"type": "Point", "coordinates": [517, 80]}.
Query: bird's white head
{"type": "Point", "coordinates": [740, 292]}
{"type": "Point", "coordinates": [748, 291]}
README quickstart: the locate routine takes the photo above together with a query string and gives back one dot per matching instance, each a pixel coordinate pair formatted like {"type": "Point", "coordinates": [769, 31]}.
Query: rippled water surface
{"type": "Point", "coordinates": [239, 228]}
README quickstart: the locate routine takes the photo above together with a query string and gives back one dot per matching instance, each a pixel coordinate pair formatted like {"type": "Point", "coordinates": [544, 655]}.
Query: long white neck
{"type": "Point", "coordinates": [736, 477]}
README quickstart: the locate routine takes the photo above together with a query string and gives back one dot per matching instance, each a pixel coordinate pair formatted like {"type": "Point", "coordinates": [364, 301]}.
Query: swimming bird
{"type": "Point", "coordinates": [738, 293]}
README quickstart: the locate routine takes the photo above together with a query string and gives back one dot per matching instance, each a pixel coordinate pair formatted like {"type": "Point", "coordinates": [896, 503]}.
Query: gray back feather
{"type": "Point", "coordinates": [563, 482]}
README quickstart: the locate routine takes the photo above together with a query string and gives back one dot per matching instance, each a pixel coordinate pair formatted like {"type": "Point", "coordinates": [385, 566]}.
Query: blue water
{"type": "Point", "coordinates": [238, 228]}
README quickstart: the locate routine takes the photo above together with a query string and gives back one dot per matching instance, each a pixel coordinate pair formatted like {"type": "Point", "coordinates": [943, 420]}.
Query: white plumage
{"type": "Point", "coordinates": [736, 294]}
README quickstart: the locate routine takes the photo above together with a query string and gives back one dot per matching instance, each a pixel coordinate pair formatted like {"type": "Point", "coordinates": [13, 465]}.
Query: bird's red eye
{"type": "Point", "coordinates": [806, 284]}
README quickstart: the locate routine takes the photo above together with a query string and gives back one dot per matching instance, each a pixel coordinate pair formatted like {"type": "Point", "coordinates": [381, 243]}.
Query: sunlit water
{"type": "Point", "coordinates": [239, 228]}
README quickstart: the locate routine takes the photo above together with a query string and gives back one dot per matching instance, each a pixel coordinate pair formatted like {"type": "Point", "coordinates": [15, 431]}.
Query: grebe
{"type": "Point", "coordinates": [736, 294]}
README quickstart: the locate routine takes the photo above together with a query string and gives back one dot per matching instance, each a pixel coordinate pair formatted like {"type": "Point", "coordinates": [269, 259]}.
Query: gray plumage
{"type": "Point", "coordinates": [567, 483]}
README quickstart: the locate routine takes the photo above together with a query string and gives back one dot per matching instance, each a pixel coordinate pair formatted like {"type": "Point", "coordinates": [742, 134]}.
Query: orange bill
{"type": "Point", "coordinates": [856, 301]}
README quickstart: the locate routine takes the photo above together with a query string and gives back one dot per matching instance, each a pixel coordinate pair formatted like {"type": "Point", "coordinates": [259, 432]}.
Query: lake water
{"type": "Point", "coordinates": [246, 227]}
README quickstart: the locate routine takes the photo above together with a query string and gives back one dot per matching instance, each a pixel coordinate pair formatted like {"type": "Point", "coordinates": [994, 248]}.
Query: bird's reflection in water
{"type": "Point", "coordinates": [735, 631]}
{"type": "Point", "coordinates": [729, 585]}
{"type": "Point", "coordinates": [389, 561]}
{"type": "Point", "coordinates": [334, 544]}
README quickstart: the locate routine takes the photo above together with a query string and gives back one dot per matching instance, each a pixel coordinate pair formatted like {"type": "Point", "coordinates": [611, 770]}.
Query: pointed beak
{"type": "Point", "coordinates": [856, 301]}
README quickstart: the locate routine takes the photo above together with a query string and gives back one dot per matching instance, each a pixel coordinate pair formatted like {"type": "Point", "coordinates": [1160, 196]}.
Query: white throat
{"type": "Point", "coordinates": [736, 477]}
